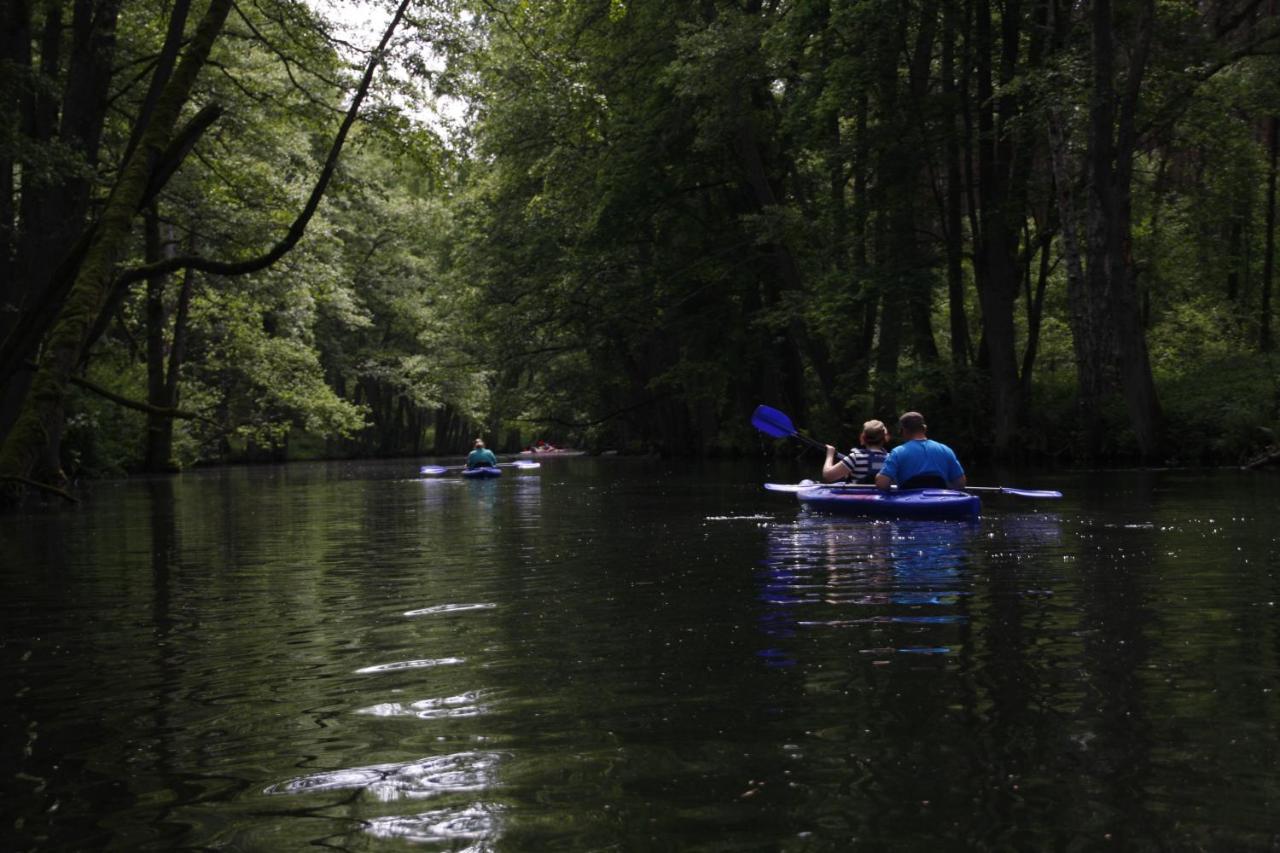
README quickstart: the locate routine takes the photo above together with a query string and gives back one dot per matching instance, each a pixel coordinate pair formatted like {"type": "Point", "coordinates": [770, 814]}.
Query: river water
{"type": "Point", "coordinates": [615, 654]}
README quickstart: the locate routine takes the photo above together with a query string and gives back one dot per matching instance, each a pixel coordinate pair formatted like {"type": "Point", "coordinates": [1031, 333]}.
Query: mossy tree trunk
{"type": "Point", "coordinates": [40, 417]}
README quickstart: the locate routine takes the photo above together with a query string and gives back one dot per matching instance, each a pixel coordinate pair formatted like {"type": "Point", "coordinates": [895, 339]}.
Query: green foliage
{"type": "Point", "coordinates": [1223, 408]}
{"type": "Point", "coordinates": [102, 438]}
{"type": "Point", "coordinates": [663, 214]}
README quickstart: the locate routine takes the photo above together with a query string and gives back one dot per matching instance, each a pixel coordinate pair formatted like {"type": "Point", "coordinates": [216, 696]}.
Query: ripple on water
{"type": "Point", "coordinates": [449, 608]}
{"type": "Point", "coordinates": [472, 823]}
{"type": "Point", "coordinates": [419, 779]}
{"type": "Point", "coordinates": [423, 663]}
{"type": "Point", "coordinates": [463, 705]}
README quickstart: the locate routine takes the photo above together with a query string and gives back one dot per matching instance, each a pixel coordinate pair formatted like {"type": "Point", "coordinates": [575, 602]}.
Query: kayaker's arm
{"type": "Point", "coordinates": [883, 482]}
{"type": "Point", "coordinates": [958, 483]}
{"type": "Point", "coordinates": [833, 469]}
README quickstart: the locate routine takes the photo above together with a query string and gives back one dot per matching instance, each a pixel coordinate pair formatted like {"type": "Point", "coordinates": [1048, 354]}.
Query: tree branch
{"type": "Point", "coordinates": [40, 487]}
{"type": "Point", "coordinates": [24, 339]}
{"type": "Point", "coordinates": [139, 406]}
{"type": "Point", "coordinates": [299, 226]}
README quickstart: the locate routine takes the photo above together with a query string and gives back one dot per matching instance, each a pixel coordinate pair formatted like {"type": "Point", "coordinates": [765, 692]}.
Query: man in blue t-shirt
{"type": "Point", "coordinates": [481, 457]}
{"type": "Point", "coordinates": [920, 463]}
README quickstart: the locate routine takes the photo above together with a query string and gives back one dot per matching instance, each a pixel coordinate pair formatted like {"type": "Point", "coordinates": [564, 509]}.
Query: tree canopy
{"type": "Point", "coordinates": [231, 231]}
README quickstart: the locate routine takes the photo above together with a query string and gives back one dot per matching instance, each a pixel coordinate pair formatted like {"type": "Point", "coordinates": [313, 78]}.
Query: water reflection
{"type": "Point", "coordinates": [424, 777]}
{"type": "Point", "coordinates": [462, 705]}
{"type": "Point", "coordinates": [898, 578]}
{"type": "Point", "coordinates": [430, 641]}
{"type": "Point", "coordinates": [560, 662]}
{"type": "Point", "coordinates": [420, 663]}
{"type": "Point", "coordinates": [472, 823]}
{"type": "Point", "coordinates": [448, 608]}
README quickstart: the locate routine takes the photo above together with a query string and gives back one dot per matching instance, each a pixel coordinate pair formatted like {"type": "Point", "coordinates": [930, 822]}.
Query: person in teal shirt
{"type": "Point", "coordinates": [919, 462]}
{"type": "Point", "coordinates": [481, 457]}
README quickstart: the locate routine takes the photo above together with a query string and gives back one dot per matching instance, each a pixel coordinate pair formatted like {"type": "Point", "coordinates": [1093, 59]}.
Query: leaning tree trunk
{"type": "Point", "coordinates": [40, 417]}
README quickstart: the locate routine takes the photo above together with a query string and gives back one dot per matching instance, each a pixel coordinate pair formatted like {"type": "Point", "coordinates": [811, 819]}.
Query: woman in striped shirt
{"type": "Point", "coordinates": [867, 460]}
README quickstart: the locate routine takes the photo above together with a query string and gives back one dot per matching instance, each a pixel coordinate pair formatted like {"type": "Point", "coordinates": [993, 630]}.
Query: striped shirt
{"type": "Point", "coordinates": [866, 464]}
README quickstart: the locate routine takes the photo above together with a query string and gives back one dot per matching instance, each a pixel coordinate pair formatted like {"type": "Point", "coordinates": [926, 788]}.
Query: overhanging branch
{"type": "Point", "coordinates": [139, 406]}
{"type": "Point", "coordinates": [299, 226]}
{"type": "Point", "coordinates": [40, 487]}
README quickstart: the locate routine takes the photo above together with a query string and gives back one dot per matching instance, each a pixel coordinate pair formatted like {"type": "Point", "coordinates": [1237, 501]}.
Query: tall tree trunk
{"type": "Point", "coordinates": [1235, 256]}
{"type": "Point", "coordinates": [895, 226]}
{"type": "Point", "coordinates": [954, 200]}
{"type": "Point", "coordinates": [920, 296]}
{"type": "Point", "coordinates": [1269, 248]}
{"type": "Point", "coordinates": [51, 218]}
{"type": "Point", "coordinates": [164, 350]}
{"type": "Point", "coordinates": [15, 54]}
{"type": "Point", "coordinates": [1035, 309]}
{"type": "Point", "coordinates": [1094, 350]}
{"type": "Point", "coordinates": [786, 274]}
{"type": "Point", "coordinates": [1110, 276]}
{"type": "Point", "coordinates": [39, 421]}
{"type": "Point", "coordinates": [868, 298]}
{"type": "Point", "coordinates": [155, 457]}
{"type": "Point", "coordinates": [996, 246]}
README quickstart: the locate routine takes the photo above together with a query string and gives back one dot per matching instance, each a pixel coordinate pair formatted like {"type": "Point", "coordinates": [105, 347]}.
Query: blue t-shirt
{"type": "Point", "coordinates": [481, 457]}
{"type": "Point", "coordinates": [921, 457]}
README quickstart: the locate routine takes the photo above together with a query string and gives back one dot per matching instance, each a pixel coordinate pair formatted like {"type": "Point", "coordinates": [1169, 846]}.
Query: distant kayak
{"type": "Point", "coordinates": [484, 471]}
{"type": "Point", "coordinates": [875, 503]}
{"type": "Point", "coordinates": [557, 452]}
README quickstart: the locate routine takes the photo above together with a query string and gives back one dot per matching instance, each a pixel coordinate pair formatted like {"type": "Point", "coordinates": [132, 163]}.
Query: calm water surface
{"type": "Point", "coordinates": [611, 654]}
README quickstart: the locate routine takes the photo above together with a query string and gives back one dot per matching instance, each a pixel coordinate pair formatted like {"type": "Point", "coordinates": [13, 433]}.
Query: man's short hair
{"type": "Point", "coordinates": [911, 423]}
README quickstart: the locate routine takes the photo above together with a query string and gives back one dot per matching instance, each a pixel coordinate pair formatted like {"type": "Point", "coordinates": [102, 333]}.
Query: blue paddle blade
{"type": "Point", "coordinates": [772, 422]}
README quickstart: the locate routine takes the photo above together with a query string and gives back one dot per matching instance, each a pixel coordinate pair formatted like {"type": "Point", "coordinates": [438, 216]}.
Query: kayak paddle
{"type": "Point", "coordinates": [772, 422]}
{"type": "Point", "coordinates": [441, 469]}
{"type": "Point", "coordinates": [1050, 494]}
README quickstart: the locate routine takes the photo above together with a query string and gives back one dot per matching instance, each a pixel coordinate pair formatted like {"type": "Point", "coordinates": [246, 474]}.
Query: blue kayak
{"type": "Point", "coordinates": [875, 503]}
{"type": "Point", "coordinates": [482, 472]}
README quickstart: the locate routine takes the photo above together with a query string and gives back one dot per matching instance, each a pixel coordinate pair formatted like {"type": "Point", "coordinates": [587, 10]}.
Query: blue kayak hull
{"type": "Point", "coordinates": [908, 503]}
{"type": "Point", "coordinates": [481, 473]}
